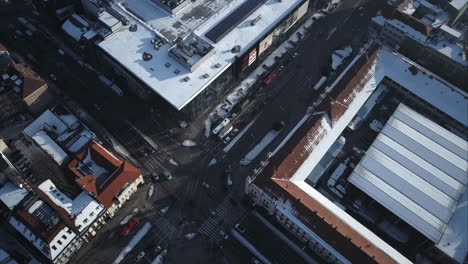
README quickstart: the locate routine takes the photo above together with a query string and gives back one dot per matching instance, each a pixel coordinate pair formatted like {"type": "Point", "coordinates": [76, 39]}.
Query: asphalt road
{"type": "Point", "coordinates": [285, 99]}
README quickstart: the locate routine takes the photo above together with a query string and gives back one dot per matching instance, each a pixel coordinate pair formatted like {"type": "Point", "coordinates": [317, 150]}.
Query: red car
{"type": "Point", "coordinates": [129, 226]}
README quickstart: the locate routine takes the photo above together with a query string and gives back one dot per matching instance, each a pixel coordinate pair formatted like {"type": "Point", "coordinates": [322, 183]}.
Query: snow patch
{"type": "Point", "coordinates": [189, 143]}
{"type": "Point", "coordinates": [339, 55]}
{"type": "Point", "coordinates": [212, 162]}
{"type": "Point", "coordinates": [266, 140]}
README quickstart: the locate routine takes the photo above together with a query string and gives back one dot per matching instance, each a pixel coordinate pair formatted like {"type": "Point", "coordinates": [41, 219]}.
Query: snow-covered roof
{"type": "Point", "coordinates": [83, 209]}
{"type": "Point", "coordinates": [50, 249]}
{"type": "Point", "coordinates": [80, 20]}
{"type": "Point", "coordinates": [159, 73]}
{"type": "Point", "coordinates": [12, 195]}
{"type": "Point", "coordinates": [49, 146]}
{"type": "Point", "coordinates": [458, 4]}
{"type": "Point", "coordinates": [82, 140]}
{"type": "Point", "coordinates": [348, 94]}
{"type": "Point", "coordinates": [417, 170]}
{"type": "Point", "coordinates": [60, 127]}
{"type": "Point", "coordinates": [439, 43]}
{"type": "Point", "coordinates": [451, 31]}
{"type": "Point", "coordinates": [449, 49]}
{"type": "Point", "coordinates": [72, 30]}
{"type": "Point", "coordinates": [454, 240]}
{"type": "Point", "coordinates": [408, 30]}
{"type": "Point", "coordinates": [424, 84]}
{"type": "Point", "coordinates": [47, 120]}
{"type": "Point", "coordinates": [108, 19]}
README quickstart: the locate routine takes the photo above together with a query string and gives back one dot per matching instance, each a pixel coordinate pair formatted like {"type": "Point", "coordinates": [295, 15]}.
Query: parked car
{"type": "Point", "coordinates": [129, 226]}
{"type": "Point", "coordinates": [155, 176]}
{"type": "Point", "coordinates": [97, 107]}
{"type": "Point", "coordinates": [223, 234]}
{"type": "Point", "coordinates": [240, 228]}
{"type": "Point", "coordinates": [167, 175]}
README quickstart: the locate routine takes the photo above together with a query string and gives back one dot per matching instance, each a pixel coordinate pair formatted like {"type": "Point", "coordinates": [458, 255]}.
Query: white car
{"type": "Point", "coordinates": [155, 177]}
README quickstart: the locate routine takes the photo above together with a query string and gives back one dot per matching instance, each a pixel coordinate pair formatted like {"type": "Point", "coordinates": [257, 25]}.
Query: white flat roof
{"type": "Point", "coordinates": [127, 47]}
{"type": "Point", "coordinates": [417, 170]}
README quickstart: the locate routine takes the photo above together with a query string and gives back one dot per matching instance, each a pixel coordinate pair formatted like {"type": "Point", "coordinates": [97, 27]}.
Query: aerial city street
{"type": "Point", "coordinates": [233, 131]}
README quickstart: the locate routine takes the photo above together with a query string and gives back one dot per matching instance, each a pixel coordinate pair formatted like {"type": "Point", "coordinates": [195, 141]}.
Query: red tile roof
{"type": "Point", "coordinates": [31, 81]}
{"type": "Point", "coordinates": [120, 172]}
{"type": "Point", "coordinates": [36, 226]}
{"type": "Point", "coordinates": [416, 24]}
{"type": "Point", "coordinates": [275, 177]}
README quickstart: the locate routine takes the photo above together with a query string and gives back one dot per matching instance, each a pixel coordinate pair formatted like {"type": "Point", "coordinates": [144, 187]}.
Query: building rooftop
{"type": "Point", "coordinates": [21, 79]}
{"type": "Point", "coordinates": [41, 225]}
{"type": "Point", "coordinates": [284, 176]}
{"type": "Point", "coordinates": [82, 210]}
{"type": "Point", "coordinates": [458, 4]}
{"type": "Point", "coordinates": [443, 39]}
{"type": "Point", "coordinates": [59, 133]}
{"type": "Point", "coordinates": [101, 173]}
{"type": "Point", "coordinates": [416, 169]}
{"type": "Point", "coordinates": [12, 195]}
{"type": "Point", "coordinates": [169, 78]}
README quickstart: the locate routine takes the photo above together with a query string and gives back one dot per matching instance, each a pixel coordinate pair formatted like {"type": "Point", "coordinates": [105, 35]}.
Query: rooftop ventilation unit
{"type": "Point", "coordinates": [236, 49]}
{"type": "Point", "coordinates": [146, 56]}
{"type": "Point", "coordinates": [133, 28]}
{"type": "Point", "coordinates": [255, 20]}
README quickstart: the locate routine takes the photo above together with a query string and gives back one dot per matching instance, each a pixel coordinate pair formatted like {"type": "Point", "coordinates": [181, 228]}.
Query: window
{"type": "Point", "coordinates": [54, 247]}
{"type": "Point", "coordinates": [64, 237]}
{"type": "Point", "coordinates": [91, 214]}
{"type": "Point", "coordinates": [59, 242]}
{"type": "Point", "coordinates": [85, 220]}
{"type": "Point", "coordinates": [69, 231]}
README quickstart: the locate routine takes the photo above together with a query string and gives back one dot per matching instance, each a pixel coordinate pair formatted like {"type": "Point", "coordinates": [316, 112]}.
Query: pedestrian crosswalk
{"type": "Point", "coordinates": [227, 214]}
{"type": "Point", "coordinates": [162, 229]}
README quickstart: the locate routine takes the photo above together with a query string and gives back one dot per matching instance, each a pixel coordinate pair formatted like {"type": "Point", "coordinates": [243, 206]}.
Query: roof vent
{"type": "Point", "coordinates": [206, 75]}
{"type": "Point", "coordinates": [133, 28]}
{"type": "Point", "coordinates": [186, 79]}
{"type": "Point", "coordinates": [255, 20]}
{"type": "Point", "coordinates": [146, 56]}
{"type": "Point", "coordinates": [217, 65]}
{"type": "Point", "coordinates": [167, 65]}
{"type": "Point", "coordinates": [176, 71]}
{"type": "Point", "coordinates": [236, 49]}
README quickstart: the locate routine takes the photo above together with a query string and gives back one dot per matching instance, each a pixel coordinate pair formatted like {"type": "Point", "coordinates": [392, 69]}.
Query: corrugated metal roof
{"type": "Point", "coordinates": [416, 169]}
